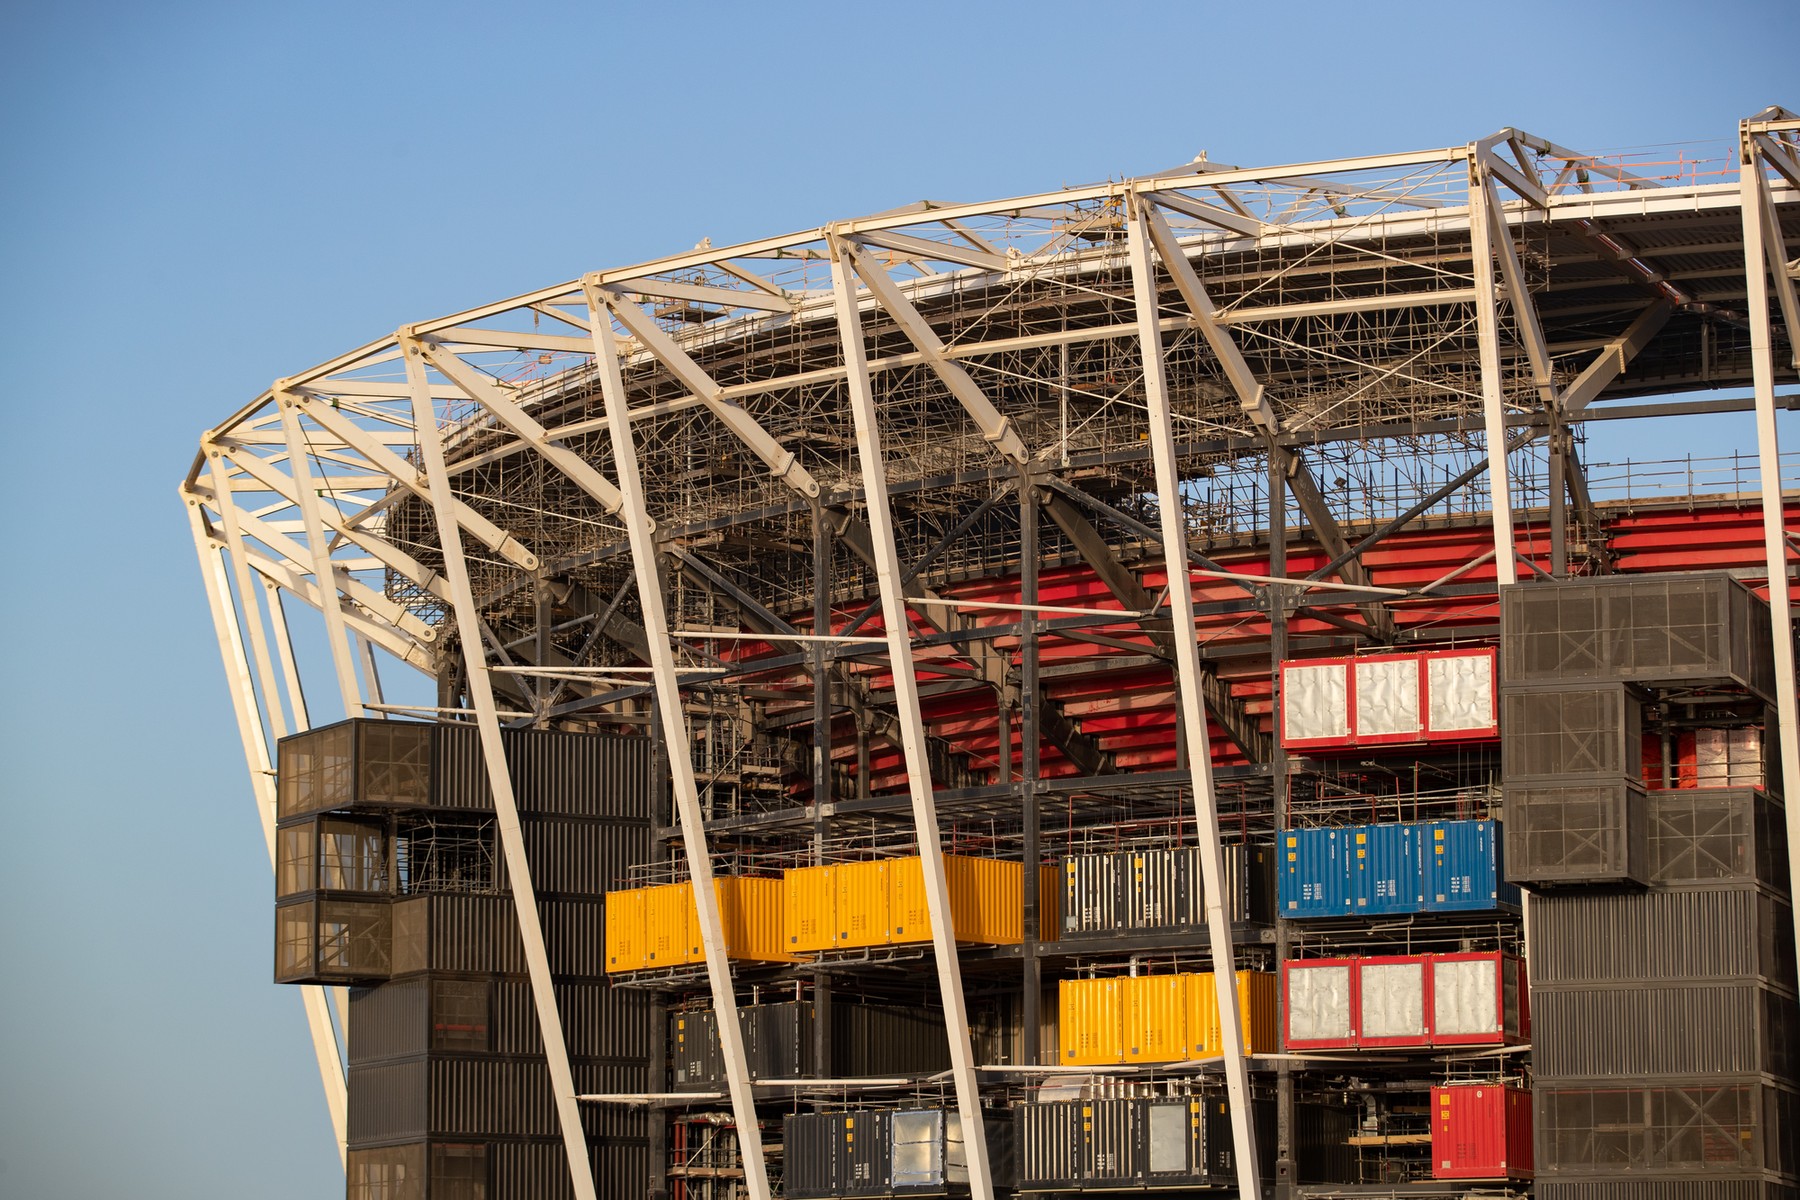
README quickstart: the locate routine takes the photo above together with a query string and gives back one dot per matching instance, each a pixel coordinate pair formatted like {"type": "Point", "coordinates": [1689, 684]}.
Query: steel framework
{"type": "Point", "coordinates": [779, 504]}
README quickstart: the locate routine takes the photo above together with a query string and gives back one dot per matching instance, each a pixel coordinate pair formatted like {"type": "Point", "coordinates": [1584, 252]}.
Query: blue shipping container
{"type": "Point", "coordinates": [1385, 875]}
{"type": "Point", "coordinates": [1314, 876]}
{"type": "Point", "coordinates": [1463, 871]}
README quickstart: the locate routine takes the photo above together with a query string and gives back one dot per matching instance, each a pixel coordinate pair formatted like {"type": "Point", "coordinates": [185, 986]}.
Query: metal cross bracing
{"type": "Point", "coordinates": [657, 493]}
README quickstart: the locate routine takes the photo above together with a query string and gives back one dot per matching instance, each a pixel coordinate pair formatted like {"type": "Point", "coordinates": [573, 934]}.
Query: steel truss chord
{"type": "Point", "coordinates": [493, 748]}
{"type": "Point", "coordinates": [873, 466]}
{"type": "Point", "coordinates": [641, 530]}
{"type": "Point", "coordinates": [1190, 698]}
{"type": "Point", "coordinates": [227, 629]}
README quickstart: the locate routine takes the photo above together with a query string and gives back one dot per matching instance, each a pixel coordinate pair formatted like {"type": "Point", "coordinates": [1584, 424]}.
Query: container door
{"type": "Point", "coordinates": [808, 909]}
{"type": "Point", "coordinates": [624, 931]}
{"type": "Point", "coordinates": [1156, 1018]}
{"type": "Point", "coordinates": [1466, 999]}
{"type": "Point", "coordinates": [916, 1149]}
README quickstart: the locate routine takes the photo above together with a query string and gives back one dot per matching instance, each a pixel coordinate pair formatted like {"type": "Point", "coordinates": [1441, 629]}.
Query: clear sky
{"type": "Point", "coordinates": [201, 198]}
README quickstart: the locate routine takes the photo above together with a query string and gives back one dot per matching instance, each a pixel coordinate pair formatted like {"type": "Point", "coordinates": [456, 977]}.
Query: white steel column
{"type": "Point", "coordinates": [640, 529]}
{"type": "Point", "coordinates": [1193, 704]}
{"type": "Point", "coordinates": [324, 573]}
{"type": "Point", "coordinates": [493, 750]}
{"type": "Point", "coordinates": [1752, 196]}
{"type": "Point", "coordinates": [1485, 223]}
{"type": "Point", "coordinates": [262, 788]}
{"type": "Point", "coordinates": [912, 725]}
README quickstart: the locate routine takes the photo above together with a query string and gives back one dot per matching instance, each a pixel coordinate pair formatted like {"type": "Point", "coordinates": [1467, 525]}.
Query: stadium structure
{"type": "Point", "coordinates": [1140, 687]}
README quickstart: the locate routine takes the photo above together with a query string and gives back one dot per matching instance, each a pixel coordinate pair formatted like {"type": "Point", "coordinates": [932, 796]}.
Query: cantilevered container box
{"type": "Point", "coordinates": [1388, 699]}
{"type": "Point", "coordinates": [1480, 1131]}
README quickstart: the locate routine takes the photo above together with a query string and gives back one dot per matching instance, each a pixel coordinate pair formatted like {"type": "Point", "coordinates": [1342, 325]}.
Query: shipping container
{"type": "Point", "coordinates": [1386, 873]}
{"type": "Point", "coordinates": [1152, 895]}
{"type": "Point", "coordinates": [1689, 628]}
{"type": "Point", "coordinates": [1090, 894]}
{"type": "Point", "coordinates": [1712, 934]}
{"type": "Point", "coordinates": [1564, 733]}
{"type": "Point", "coordinates": [1736, 835]}
{"type": "Point", "coordinates": [1314, 873]}
{"type": "Point", "coordinates": [877, 1152]}
{"type": "Point", "coordinates": [1111, 1143]}
{"type": "Point", "coordinates": [1175, 1132]}
{"type": "Point", "coordinates": [1049, 1138]}
{"type": "Point", "coordinates": [1480, 1131]}
{"type": "Point", "coordinates": [1639, 1029]}
{"type": "Point", "coordinates": [1478, 999]}
{"type": "Point", "coordinates": [1388, 699]}
{"type": "Point", "coordinates": [1634, 1186]}
{"type": "Point", "coordinates": [380, 764]}
{"type": "Point", "coordinates": [1320, 1012]}
{"type": "Point", "coordinates": [1577, 833]}
{"type": "Point", "coordinates": [808, 909]}
{"type": "Point", "coordinates": [1091, 1014]}
{"type": "Point", "coordinates": [861, 913]}
{"type": "Point", "coordinates": [1715, 1127]}
{"type": "Point", "coordinates": [624, 915]}
{"type": "Point", "coordinates": [1155, 1015]}
{"type": "Point", "coordinates": [1462, 867]}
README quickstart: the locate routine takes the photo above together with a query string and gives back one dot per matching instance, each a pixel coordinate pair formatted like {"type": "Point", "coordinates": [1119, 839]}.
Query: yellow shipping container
{"type": "Point", "coordinates": [751, 909]}
{"type": "Point", "coordinates": [668, 924]}
{"type": "Point", "coordinates": [625, 931]}
{"type": "Point", "coordinates": [985, 898]}
{"type": "Point", "coordinates": [1091, 1022]}
{"type": "Point", "coordinates": [1256, 1004]}
{"type": "Point", "coordinates": [808, 909]}
{"type": "Point", "coordinates": [862, 904]}
{"type": "Point", "coordinates": [1156, 1017]}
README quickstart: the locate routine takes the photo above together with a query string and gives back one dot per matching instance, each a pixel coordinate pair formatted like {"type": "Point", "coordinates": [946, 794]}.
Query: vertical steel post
{"type": "Point", "coordinates": [1193, 704]}
{"type": "Point", "coordinates": [1030, 768]}
{"type": "Point", "coordinates": [1752, 196]}
{"type": "Point", "coordinates": [1486, 223]}
{"type": "Point", "coordinates": [262, 790]}
{"type": "Point", "coordinates": [493, 750]}
{"type": "Point", "coordinates": [1279, 773]}
{"type": "Point", "coordinates": [640, 531]}
{"type": "Point", "coordinates": [912, 726]}
{"type": "Point", "coordinates": [821, 552]}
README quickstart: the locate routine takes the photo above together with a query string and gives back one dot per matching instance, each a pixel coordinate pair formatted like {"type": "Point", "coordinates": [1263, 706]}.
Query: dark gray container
{"type": "Point", "coordinates": [1717, 1126]}
{"type": "Point", "coordinates": [1556, 733]}
{"type": "Point", "coordinates": [1091, 893]}
{"type": "Point", "coordinates": [1049, 1137]}
{"type": "Point", "coordinates": [836, 1154]}
{"type": "Point", "coordinates": [1714, 836]}
{"type": "Point", "coordinates": [609, 1024]}
{"type": "Point", "coordinates": [1111, 1140]}
{"type": "Point", "coordinates": [1633, 1030]}
{"type": "Point", "coordinates": [1671, 628]}
{"type": "Point", "coordinates": [1175, 1133]}
{"type": "Point", "coordinates": [1713, 935]}
{"type": "Point", "coordinates": [1577, 832]}
{"type": "Point", "coordinates": [867, 1040]}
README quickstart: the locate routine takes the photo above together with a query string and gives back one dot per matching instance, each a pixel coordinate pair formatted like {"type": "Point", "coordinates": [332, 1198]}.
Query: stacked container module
{"type": "Point", "coordinates": [780, 1043]}
{"type": "Point", "coordinates": [1121, 1143]}
{"type": "Point", "coordinates": [1702, 947]}
{"type": "Point", "coordinates": [447, 1078]}
{"type": "Point", "coordinates": [1418, 1000]}
{"type": "Point", "coordinates": [1394, 868]}
{"type": "Point", "coordinates": [1156, 890]}
{"type": "Point", "coordinates": [1158, 1018]}
{"type": "Point", "coordinates": [650, 928]}
{"type": "Point", "coordinates": [876, 1152]}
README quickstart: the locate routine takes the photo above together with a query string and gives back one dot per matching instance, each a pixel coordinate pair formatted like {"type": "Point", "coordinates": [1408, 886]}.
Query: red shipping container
{"type": "Point", "coordinates": [1481, 1131]}
{"type": "Point", "coordinates": [1389, 699]}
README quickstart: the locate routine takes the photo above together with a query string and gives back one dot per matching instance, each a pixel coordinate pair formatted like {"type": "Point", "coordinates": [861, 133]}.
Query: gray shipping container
{"type": "Point", "coordinates": [1714, 836]}
{"type": "Point", "coordinates": [1556, 733]}
{"type": "Point", "coordinates": [1712, 935]}
{"type": "Point", "coordinates": [1702, 627]}
{"type": "Point", "coordinates": [1091, 892]}
{"type": "Point", "coordinates": [1632, 1029]}
{"type": "Point", "coordinates": [1719, 1126]}
{"type": "Point", "coordinates": [867, 1040]}
{"type": "Point", "coordinates": [1577, 832]}
{"type": "Point", "coordinates": [1635, 1187]}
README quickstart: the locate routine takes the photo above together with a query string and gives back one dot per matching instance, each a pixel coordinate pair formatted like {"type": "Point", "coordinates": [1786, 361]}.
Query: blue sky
{"type": "Point", "coordinates": [201, 198]}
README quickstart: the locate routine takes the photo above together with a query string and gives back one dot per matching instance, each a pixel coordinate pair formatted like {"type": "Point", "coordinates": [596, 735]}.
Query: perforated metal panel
{"type": "Point", "coordinates": [1577, 833]}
